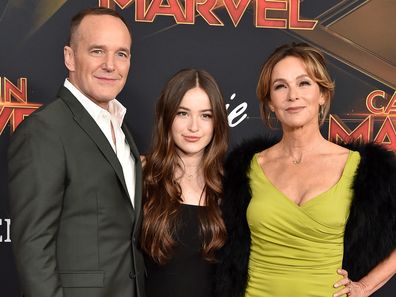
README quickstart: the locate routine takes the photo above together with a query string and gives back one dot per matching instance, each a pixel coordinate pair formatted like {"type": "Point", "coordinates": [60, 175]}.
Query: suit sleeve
{"type": "Point", "coordinates": [36, 165]}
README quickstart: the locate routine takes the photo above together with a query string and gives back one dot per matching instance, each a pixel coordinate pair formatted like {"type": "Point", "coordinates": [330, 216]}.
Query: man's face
{"type": "Point", "coordinates": [98, 59]}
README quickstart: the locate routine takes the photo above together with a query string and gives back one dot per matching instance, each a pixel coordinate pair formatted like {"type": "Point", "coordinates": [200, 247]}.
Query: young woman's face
{"type": "Point", "coordinates": [295, 97]}
{"type": "Point", "coordinates": [192, 128]}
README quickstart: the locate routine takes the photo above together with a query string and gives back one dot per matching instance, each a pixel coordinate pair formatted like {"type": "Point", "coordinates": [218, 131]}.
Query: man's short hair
{"type": "Point", "coordinates": [76, 20]}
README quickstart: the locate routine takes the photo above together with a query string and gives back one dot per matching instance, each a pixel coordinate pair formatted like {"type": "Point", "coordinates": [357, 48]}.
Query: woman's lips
{"type": "Point", "coordinates": [191, 138]}
{"type": "Point", "coordinates": [294, 109]}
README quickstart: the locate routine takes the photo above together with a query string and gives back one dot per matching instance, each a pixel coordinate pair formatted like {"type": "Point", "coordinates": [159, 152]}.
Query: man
{"type": "Point", "coordinates": [75, 175]}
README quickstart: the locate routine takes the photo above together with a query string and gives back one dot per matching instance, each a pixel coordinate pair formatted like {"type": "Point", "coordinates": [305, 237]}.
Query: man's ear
{"type": "Point", "coordinates": [69, 58]}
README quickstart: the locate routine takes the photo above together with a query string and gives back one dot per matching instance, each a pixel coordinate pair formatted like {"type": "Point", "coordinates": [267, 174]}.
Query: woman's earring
{"type": "Point", "coordinates": [321, 113]}
{"type": "Point", "coordinates": [270, 118]}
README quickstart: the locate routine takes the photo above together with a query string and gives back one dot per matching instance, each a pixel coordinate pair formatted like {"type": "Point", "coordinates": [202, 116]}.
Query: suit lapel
{"type": "Point", "coordinates": [138, 171]}
{"type": "Point", "coordinates": [88, 124]}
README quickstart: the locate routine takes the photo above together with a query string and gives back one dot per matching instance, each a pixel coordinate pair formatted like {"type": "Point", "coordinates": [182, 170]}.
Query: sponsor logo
{"type": "Point", "coordinates": [275, 14]}
{"type": "Point", "coordinates": [382, 113]}
{"type": "Point", "coordinates": [5, 234]}
{"type": "Point", "coordinates": [14, 105]}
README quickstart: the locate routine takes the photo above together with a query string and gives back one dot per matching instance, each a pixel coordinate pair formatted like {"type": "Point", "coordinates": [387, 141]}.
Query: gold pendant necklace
{"type": "Point", "coordinates": [297, 161]}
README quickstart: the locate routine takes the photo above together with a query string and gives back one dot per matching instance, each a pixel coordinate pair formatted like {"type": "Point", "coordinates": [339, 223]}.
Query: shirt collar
{"type": "Point", "coordinates": [116, 110]}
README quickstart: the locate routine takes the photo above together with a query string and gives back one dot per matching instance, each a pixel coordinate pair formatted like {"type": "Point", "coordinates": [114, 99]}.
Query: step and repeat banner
{"type": "Point", "coordinates": [230, 39]}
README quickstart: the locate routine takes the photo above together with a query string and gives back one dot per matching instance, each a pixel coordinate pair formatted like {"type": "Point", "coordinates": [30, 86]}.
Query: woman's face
{"type": "Point", "coordinates": [192, 128]}
{"type": "Point", "coordinates": [295, 97]}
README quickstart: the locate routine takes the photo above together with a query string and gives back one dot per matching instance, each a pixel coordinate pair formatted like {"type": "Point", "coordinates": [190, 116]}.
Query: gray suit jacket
{"type": "Point", "coordinates": [73, 225]}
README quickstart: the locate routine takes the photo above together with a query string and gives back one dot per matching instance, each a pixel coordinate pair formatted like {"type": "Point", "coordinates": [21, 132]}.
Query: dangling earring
{"type": "Point", "coordinates": [269, 117]}
{"type": "Point", "coordinates": [321, 113]}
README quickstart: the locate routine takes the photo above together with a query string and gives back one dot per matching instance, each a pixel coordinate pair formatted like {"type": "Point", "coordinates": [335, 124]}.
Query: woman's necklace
{"type": "Point", "coordinates": [297, 161]}
{"type": "Point", "coordinates": [190, 175]}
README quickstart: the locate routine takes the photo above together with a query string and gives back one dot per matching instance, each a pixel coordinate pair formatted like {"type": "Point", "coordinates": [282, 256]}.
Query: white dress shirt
{"type": "Point", "coordinates": [105, 120]}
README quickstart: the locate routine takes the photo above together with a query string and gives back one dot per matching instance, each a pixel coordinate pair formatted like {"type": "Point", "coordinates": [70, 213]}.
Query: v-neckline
{"type": "Point", "coordinates": [316, 197]}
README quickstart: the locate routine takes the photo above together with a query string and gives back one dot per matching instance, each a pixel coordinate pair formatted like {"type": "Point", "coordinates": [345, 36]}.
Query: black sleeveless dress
{"type": "Point", "coordinates": [187, 274]}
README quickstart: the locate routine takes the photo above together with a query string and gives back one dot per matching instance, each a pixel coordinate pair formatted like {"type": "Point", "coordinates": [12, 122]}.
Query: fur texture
{"type": "Point", "coordinates": [370, 234]}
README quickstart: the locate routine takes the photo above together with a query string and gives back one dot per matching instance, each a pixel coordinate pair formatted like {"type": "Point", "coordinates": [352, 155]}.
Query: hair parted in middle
{"type": "Point", "coordinates": [161, 191]}
{"type": "Point", "coordinates": [315, 64]}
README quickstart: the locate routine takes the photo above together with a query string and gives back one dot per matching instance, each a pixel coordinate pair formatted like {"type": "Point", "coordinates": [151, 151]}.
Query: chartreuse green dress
{"type": "Point", "coordinates": [296, 250]}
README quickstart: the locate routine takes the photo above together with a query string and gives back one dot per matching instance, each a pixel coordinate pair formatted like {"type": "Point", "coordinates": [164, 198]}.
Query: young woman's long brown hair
{"type": "Point", "coordinates": [162, 192]}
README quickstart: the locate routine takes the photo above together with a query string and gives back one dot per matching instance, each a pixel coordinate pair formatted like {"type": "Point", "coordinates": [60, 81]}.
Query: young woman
{"type": "Point", "coordinates": [182, 225]}
{"type": "Point", "coordinates": [299, 208]}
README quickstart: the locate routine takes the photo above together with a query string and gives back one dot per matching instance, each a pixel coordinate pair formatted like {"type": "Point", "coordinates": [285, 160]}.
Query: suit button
{"type": "Point", "coordinates": [132, 275]}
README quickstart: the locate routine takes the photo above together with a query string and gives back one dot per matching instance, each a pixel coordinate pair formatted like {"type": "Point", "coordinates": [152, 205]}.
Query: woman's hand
{"type": "Point", "coordinates": [350, 288]}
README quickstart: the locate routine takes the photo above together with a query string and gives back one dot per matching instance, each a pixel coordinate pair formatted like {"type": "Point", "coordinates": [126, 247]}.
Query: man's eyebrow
{"type": "Point", "coordinates": [122, 49]}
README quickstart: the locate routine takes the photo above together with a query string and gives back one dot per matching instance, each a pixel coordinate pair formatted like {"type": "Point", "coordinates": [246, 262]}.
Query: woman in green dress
{"type": "Point", "coordinates": [299, 208]}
